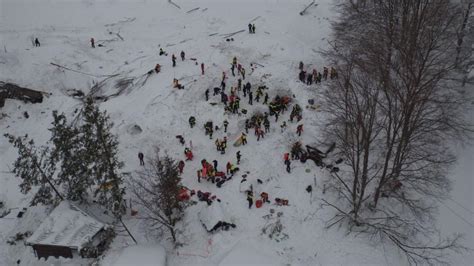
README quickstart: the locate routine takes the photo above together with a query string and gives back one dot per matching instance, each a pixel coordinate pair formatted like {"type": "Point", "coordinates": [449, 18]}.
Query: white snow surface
{"type": "Point", "coordinates": [282, 39]}
{"type": "Point", "coordinates": [245, 253]}
{"type": "Point", "coordinates": [146, 255]}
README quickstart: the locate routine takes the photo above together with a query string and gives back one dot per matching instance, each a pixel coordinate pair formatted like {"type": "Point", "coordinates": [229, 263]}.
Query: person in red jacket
{"type": "Point", "coordinates": [189, 154]}
{"type": "Point", "coordinates": [286, 156]}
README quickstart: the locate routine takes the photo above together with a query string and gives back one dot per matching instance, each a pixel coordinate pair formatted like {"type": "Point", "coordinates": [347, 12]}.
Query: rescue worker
{"type": "Point", "coordinates": [140, 157]}
{"type": "Point", "coordinates": [223, 145]}
{"type": "Point", "coordinates": [207, 95]}
{"type": "Point", "coordinates": [283, 126]}
{"type": "Point", "coordinates": [325, 73]}
{"type": "Point", "coordinates": [199, 175]}
{"type": "Point", "coordinates": [301, 66]}
{"type": "Point", "coordinates": [299, 129]}
{"type": "Point", "coordinates": [242, 71]}
{"type": "Point", "coordinates": [333, 73]}
{"type": "Point", "coordinates": [302, 75]}
{"type": "Point", "coordinates": [286, 158]}
{"type": "Point", "coordinates": [161, 52]}
{"type": "Point", "coordinates": [237, 154]}
{"type": "Point", "coordinates": [182, 55]}
{"type": "Point", "coordinates": [265, 100]}
{"type": "Point", "coordinates": [157, 68]}
{"type": "Point", "coordinates": [253, 28]}
{"type": "Point", "coordinates": [173, 58]}
{"type": "Point", "coordinates": [92, 43]}
{"type": "Point", "coordinates": [228, 167]}
{"type": "Point", "coordinates": [250, 198]}
{"type": "Point", "coordinates": [215, 164]}
{"type": "Point", "coordinates": [309, 80]}
{"type": "Point", "coordinates": [250, 98]}
{"type": "Point", "coordinates": [192, 121]}
{"type": "Point", "coordinates": [225, 126]}
{"type": "Point", "coordinates": [243, 138]}
{"type": "Point", "coordinates": [202, 68]}
{"type": "Point", "coordinates": [247, 126]}
{"type": "Point", "coordinates": [239, 84]}
{"type": "Point", "coordinates": [224, 98]}
{"type": "Point", "coordinates": [223, 85]}
{"type": "Point", "coordinates": [37, 43]}
{"type": "Point", "coordinates": [266, 124]}
{"type": "Point", "coordinates": [250, 28]}
{"type": "Point", "coordinates": [181, 166]}
{"type": "Point", "coordinates": [189, 154]}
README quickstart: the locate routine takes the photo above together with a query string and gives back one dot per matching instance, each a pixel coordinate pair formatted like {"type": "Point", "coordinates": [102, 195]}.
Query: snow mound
{"type": "Point", "coordinates": [211, 215]}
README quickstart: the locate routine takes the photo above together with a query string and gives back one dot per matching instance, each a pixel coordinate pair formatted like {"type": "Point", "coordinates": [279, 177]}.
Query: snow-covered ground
{"type": "Point", "coordinates": [282, 39]}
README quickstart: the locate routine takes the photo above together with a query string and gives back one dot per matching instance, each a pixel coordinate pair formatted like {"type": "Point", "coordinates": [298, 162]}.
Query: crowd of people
{"type": "Point", "coordinates": [230, 94]}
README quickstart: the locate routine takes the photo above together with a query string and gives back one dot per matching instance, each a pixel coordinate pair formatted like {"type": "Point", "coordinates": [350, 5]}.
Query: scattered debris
{"type": "Point", "coordinates": [227, 35]}
{"type": "Point", "coordinates": [192, 10]}
{"type": "Point", "coordinates": [80, 72]}
{"type": "Point", "coordinates": [134, 130]}
{"type": "Point", "coordinates": [254, 19]}
{"type": "Point", "coordinates": [174, 4]}
{"type": "Point", "coordinates": [308, 6]}
{"type": "Point", "coordinates": [13, 91]}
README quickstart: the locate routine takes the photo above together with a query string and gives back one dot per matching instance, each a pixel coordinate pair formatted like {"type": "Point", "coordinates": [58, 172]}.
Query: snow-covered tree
{"type": "Point", "coordinates": [82, 158]}
{"type": "Point", "coordinates": [35, 167]}
{"type": "Point", "coordinates": [156, 189]}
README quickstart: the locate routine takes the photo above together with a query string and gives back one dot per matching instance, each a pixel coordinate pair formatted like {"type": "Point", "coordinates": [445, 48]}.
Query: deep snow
{"type": "Point", "coordinates": [282, 39]}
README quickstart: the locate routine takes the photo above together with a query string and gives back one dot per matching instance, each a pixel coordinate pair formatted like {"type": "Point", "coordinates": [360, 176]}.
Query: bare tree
{"type": "Point", "coordinates": [156, 189]}
{"type": "Point", "coordinates": [393, 112]}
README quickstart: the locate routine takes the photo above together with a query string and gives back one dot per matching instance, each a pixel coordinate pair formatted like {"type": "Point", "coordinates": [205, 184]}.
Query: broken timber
{"type": "Point", "coordinates": [192, 10]}
{"type": "Point", "coordinates": [254, 19]}
{"type": "Point", "coordinates": [173, 3]}
{"type": "Point", "coordinates": [304, 10]}
{"type": "Point", "coordinates": [227, 35]}
{"type": "Point", "coordinates": [80, 72]}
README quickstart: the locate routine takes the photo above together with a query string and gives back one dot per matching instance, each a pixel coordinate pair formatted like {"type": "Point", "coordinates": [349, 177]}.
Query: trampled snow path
{"type": "Point", "coordinates": [282, 39]}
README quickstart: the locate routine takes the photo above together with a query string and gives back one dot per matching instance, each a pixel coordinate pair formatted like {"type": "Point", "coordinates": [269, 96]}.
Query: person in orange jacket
{"type": "Point", "coordinates": [228, 167]}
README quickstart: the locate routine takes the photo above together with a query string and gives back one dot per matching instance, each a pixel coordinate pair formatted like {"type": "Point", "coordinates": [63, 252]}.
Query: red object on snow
{"type": "Point", "coordinates": [183, 194]}
{"type": "Point", "coordinates": [220, 174]}
{"type": "Point", "coordinates": [258, 203]}
{"type": "Point", "coordinates": [189, 156]}
{"type": "Point", "coordinates": [286, 156]}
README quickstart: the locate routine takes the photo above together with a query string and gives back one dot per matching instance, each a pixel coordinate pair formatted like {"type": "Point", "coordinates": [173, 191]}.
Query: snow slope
{"type": "Point", "coordinates": [282, 39]}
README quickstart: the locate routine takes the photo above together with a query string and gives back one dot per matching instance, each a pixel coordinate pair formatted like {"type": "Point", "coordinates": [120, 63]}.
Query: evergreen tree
{"type": "Point", "coordinates": [74, 173]}
{"type": "Point", "coordinates": [81, 158]}
{"type": "Point", "coordinates": [36, 167]}
{"type": "Point", "coordinates": [102, 147]}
